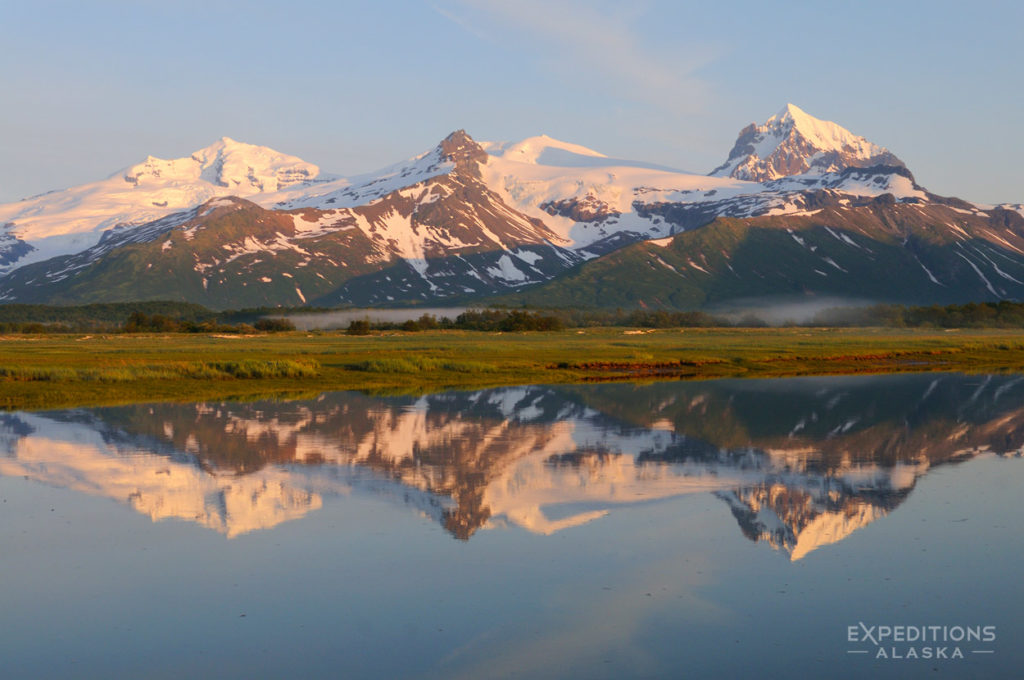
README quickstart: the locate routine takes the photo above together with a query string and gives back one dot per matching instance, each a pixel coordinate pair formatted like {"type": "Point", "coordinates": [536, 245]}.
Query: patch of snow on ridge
{"type": "Point", "coordinates": [696, 266]}
{"type": "Point", "coordinates": [833, 263]}
{"type": "Point", "coordinates": [977, 271]}
{"type": "Point", "coordinates": [996, 266]}
{"type": "Point", "coordinates": [1004, 241]}
{"type": "Point", "coordinates": [897, 185]}
{"type": "Point", "coordinates": [528, 256]}
{"type": "Point", "coordinates": [420, 266]}
{"type": "Point", "coordinates": [507, 270]}
{"type": "Point", "coordinates": [931, 277]}
{"type": "Point", "coordinates": [329, 219]}
{"type": "Point", "coordinates": [843, 237]}
{"type": "Point", "coordinates": [666, 265]}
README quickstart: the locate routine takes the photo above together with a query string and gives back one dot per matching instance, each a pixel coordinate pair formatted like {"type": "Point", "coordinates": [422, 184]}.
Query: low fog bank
{"type": "Point", "coordinates": [779, 311]}
{"type": "Point", "coordinates": [748, 312]}
{"type": "Point", "coordinates": [770, 311]}
{"type": "Point", "coordinates": [341, 319]}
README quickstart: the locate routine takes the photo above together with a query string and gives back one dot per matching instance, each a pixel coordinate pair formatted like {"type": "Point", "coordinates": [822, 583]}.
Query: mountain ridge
{"type": "Point", "coordinates": [445, 235]}
{"type": "Point", "coordinates": [468, 220]}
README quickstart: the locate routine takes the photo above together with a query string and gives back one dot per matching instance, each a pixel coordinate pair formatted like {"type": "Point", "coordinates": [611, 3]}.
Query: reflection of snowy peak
{"type": "Point", "coordinates": [539, 458]}
{"type": "Point", "coordinates": [75, 456]}
{"type": "Point", "coordinates": [793, 143]}
{"type": "Point", "coordinates": [800, 518]}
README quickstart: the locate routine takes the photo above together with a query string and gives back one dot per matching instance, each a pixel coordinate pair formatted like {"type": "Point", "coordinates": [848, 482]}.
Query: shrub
{"type": "Point", "coordinates": [274, 325]}
{"type": "Point", "coordinates": [140, 322]}
{"type": "Point", "coordinates": [358, 327]}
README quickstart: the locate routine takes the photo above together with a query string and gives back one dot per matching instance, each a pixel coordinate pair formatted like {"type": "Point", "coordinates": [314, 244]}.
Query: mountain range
{"type": "Point", "coordinates": [800, 207]}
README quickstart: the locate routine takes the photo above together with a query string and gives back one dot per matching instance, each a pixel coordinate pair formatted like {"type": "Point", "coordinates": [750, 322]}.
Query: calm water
{"type": "Point", "coordinates": [618, 531]}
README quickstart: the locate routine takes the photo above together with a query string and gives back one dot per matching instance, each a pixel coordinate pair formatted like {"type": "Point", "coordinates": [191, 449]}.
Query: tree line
{"type": "Point", "coordinates": [494, 320]}
{"type": "Point", "coordinates": [176, 317]}
{"type": "Point", "coordinates": [1003, 314]}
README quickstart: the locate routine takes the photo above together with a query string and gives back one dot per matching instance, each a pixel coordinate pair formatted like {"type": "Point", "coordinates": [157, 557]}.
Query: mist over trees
{"type": "Point", "coordinates": [172, 317]}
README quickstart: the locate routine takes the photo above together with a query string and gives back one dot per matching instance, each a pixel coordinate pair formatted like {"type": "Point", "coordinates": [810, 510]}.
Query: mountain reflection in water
{"type": "Point", "coordinates": [801, 463]}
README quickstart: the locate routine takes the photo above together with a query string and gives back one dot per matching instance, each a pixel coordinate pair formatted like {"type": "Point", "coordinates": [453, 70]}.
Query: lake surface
{"type": "Point", "coordinates": [785, 528]}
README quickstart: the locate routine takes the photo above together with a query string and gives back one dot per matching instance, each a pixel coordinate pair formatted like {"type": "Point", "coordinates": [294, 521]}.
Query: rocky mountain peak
{"type": "Point", "coordinates": [793, 142]}
{"type": "Point", "coordinates": [460, 148]}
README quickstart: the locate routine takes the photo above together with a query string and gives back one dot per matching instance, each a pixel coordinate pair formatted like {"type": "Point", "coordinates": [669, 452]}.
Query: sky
{"type": "Point", "coordinates": [93, 87]}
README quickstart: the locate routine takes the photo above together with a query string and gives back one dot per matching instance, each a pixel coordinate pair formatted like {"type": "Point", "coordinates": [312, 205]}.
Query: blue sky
{"type": "Point", "coordinates": [91, 87]}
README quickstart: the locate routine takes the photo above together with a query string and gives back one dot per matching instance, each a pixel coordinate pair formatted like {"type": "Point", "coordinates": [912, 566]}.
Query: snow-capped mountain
{"type": "Point", "coordinates": [237, 225]}
{"type": "Point", "coordinates": [427, 228]}
{"type": "Point", "coordinates": [69, 221]}
{"type": "Point", "coordinates": [793, 142]}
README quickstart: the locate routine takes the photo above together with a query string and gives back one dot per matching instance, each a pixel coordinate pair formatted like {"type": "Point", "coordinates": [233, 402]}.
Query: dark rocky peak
{"type": "Point", "coordinates": [461, 149]}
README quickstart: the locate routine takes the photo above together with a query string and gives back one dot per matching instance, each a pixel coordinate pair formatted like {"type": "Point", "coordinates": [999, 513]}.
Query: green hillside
{"type": "Point", "coordinates": [887, 252]}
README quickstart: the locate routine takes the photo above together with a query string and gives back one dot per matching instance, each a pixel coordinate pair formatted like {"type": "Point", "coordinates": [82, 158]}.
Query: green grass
{"type": "Point", "coordinates": [60, 371]}
{"type": "Point", "coordinates": [204, 370]}
{"type": "Point", "coordinates": [419, 364]}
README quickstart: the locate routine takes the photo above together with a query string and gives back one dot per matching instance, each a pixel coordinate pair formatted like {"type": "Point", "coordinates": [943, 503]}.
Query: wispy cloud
{"type": "Point", "coordinates": [584, 622]}
{"type": "Point", "coordinates": [459, 20]}
{"type": "Point", "coordinates": [592, 44]}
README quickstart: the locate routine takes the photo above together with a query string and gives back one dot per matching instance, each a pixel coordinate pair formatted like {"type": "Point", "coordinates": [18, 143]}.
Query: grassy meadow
{"type": "Point", "coordinates": [50, 371]}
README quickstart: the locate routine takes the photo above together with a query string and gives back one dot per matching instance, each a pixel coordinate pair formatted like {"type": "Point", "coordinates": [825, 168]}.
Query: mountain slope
{"type": "Point", "coordinates": [873, 248]}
